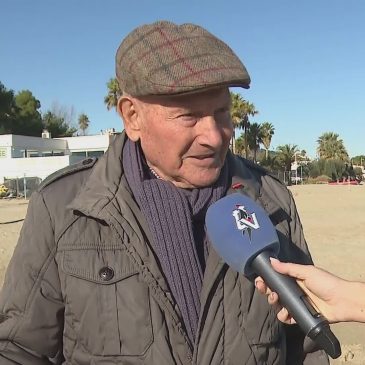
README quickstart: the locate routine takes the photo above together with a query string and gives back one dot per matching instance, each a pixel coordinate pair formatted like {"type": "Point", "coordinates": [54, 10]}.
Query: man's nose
{"type": "Point", "coordinates": [211, 132]}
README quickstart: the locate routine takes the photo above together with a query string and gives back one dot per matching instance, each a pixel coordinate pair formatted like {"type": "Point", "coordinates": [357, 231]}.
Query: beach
{"type": "Point", "coordinates": [333, 219]}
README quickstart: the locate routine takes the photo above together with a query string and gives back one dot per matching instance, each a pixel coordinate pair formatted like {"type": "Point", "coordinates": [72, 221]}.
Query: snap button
{"type": "Point", "coordinates": [87, 161]}
{"type": "Point", "coordinates": [106, 273]}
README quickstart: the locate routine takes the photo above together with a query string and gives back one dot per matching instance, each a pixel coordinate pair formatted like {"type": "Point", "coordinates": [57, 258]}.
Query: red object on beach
{"type": "Point", "coordinates": [351, 182]}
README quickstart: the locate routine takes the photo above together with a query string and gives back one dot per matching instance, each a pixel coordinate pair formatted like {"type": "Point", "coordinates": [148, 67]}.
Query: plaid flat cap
{"type": "Point", "coordinates": [164, 58]}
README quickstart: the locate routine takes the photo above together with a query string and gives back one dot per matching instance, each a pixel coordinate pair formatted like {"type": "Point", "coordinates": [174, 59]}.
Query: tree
{"type": "Point", "coordinates": [57, 126]}
{"type": "Point", "coordinates": [28, 119]}
{"type": "Point", "coordinates": [240, 145]}
{"type": "Point", "coordinates": [7, 109]}
{"type": "Point", "coordinates": [27, 103]}
{"type": "Point", "coordinates": [358, 173]}
{"type": "Point", "coordinates": [83, 122]}
{"type": "Point", "coordinates": [249, 110]}
{"type": "Point", "coordinates": [241, 110]}
{"type": "Point", "coordinates": [65, 112]}
{"type": "Point", "coordinates": [267, 131]}
{"type": "Point", "coordinates": [286, 156]}
{"type": "Point", "coordinates": [236, 115]}
{"type": "Point", "coordinates": [331, 147]}
{"type": "Point", "coordinates": [114, 93]}
{"type": "Point", "coordinates": [19, 113]}
{"type": "Point", "coordinates": [358, 160]}
{"type": "Point", "coordinates": [271, 162]}
{"type": "Point", "coordinates": [254, 138]}
{"type": "Point", "coordinates": [332, 168]}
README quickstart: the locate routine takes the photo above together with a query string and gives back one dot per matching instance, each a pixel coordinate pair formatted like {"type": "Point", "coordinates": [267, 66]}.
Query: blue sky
{"type": "Point", "coordinates": [306, 59]}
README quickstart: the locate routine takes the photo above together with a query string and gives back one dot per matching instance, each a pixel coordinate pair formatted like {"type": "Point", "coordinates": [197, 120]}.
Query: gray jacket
{"type": "Point", "coordinates": [84, 286]}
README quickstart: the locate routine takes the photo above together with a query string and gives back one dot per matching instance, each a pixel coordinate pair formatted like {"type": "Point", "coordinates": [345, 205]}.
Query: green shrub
{"type": "Point", "coordinates": [322, 179]}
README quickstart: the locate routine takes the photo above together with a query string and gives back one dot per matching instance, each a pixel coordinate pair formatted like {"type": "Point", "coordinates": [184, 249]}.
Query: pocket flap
{"type": "Point", "coordinates": [98, 265]}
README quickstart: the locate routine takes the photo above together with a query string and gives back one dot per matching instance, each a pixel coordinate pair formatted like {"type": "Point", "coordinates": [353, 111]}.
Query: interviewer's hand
{"type": "Point", "coordinates": [337, 299]}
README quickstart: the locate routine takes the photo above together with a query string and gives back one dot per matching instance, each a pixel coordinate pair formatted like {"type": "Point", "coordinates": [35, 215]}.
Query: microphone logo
{"type": "Point", "coordinates": [244, 220]}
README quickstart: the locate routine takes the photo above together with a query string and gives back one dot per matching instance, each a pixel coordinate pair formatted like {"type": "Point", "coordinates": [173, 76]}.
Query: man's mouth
{"type": "Point", "coordinates": [206, 160]}
{"type": "Point", "coordinates": [204, 156]}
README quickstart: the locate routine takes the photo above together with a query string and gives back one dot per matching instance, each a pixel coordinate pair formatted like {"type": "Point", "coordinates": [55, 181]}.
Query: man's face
{"type": "Point", "coordinates": [185, 138]}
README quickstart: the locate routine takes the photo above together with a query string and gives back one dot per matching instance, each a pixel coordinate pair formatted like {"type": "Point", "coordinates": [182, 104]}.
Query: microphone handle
{"type": "Point", "coordinates": [292, 297]}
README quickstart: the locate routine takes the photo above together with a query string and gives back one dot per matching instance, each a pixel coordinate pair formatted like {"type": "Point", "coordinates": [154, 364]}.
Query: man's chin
{"type": "Point", "coordinates": [199, 180]}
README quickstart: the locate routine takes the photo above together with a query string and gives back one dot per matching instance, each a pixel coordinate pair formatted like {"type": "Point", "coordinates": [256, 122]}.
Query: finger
{"type": "Point", "coordinates": [273, 298]}
{"type": "Point", "coordinates": [284, 316]}
{"type": "Point", "coordinates": [293, 270]}
{"type": "Point", "coordinates": [259, 279]}
{"type": "Point", "coordinates": [261, 286]}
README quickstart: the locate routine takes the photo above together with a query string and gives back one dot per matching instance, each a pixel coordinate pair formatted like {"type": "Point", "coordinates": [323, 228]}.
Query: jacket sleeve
{"type": "Point", "coordinates": [31, 305]}
{"type": "Point", "coordinates": [294, 335]}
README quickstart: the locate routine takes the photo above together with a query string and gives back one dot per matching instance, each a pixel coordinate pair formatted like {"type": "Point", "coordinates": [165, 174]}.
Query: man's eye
{"type": "Point", "coordinates": [188, 119]}
{"type": "Point", "coordinates": [187, 115]}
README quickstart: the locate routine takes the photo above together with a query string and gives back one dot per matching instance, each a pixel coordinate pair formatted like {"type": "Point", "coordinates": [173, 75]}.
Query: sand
{"type": "Point", "coordinates": [333, 219]}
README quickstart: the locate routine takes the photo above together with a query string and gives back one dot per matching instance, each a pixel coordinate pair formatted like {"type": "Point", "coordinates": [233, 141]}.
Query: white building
{"type": "Point", "coordinates": [39, 157]}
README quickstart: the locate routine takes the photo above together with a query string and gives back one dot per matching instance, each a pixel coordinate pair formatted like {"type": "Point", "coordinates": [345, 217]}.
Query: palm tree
{"type": "Point", "coordinates": [267, 130]}
{"type": "Point", "coordinates": [330, 147]}
{"type": "Point", "coordinates": [240, 145]}
{"type": "Point", "coordinates": [114, 93]}
{"type": "Point", "coordinates": [237, 105]}
{"type": "Point", "coordinates": [241, 110]}
{"type": "Point", "coordinates": [254, 137]}
{"type": "Point", "coordinates": [271, 163]}
{"type": "Point", "coordinates": [83, 122]}
{"type": "Point", "coordinates": [286, 156]}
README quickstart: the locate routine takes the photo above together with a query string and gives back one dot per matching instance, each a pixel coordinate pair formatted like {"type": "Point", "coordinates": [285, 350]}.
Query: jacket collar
{"type": "Point", "coordinates": [248, 178]}
{"type": "Point", "coordinates": [103, 183]}
{"type": "Point", "coordinates": [106, 195]}
{"type": "Point", "coordinates": [106, 182]}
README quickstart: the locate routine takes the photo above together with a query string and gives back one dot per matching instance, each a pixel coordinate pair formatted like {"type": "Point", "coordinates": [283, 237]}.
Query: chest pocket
{"type": "Point", "coordinates": [264, 331]}
{"type": "Point", "coordinates": [107, 302]}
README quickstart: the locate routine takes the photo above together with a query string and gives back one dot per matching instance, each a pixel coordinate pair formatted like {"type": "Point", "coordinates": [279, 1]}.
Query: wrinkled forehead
{"type": "Point", "coordinates": [208, 96]}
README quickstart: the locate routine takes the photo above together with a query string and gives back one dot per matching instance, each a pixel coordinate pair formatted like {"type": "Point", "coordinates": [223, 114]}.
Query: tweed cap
{"type": "Point", "coordinates": [164, 58]}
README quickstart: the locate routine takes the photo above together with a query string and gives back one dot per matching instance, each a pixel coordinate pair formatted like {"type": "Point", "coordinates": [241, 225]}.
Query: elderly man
{"type": "Point", "coordinates": [113, 265]}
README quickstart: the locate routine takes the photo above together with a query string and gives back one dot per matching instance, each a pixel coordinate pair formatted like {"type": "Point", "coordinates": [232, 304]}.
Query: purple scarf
{"type": "Point", "coordinates": [175, 218]}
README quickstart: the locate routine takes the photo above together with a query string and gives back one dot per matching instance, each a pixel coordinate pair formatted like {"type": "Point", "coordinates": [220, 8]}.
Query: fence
{"type": "Point", "coordinates": [21, 187]}
{"type": "Point", "coordinates": [293, 176]}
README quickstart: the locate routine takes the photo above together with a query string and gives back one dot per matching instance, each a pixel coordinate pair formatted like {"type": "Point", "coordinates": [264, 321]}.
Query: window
{"type": "Point", "coordinates": [95, 153]}
{"type": "Point", "coordinates": [79, 153]}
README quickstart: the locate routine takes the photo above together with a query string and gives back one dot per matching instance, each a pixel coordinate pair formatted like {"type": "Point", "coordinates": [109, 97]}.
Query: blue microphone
{"type": "Point", "coordinates": [244, 236]}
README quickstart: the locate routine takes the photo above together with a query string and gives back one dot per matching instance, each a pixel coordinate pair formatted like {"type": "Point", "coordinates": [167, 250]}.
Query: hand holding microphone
{"type": "Point", "coordinates": [337, 299]}
{"type": "Point", "coordinates": [243, 235]}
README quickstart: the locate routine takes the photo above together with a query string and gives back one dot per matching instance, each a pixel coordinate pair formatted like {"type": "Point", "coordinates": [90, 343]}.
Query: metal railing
{"type": "Point", "coordinates": [21, 187]}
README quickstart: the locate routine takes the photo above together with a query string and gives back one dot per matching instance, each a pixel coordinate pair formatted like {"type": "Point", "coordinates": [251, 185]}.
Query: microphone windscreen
{"type": "Point", "coordinates": [239, 229]}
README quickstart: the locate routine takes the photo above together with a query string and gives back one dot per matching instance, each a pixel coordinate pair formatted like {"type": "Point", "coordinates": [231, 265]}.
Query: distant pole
{"type": "Point", "coordinates": [17, 187]}
{"type": "Point", "coordinates": [296, 168]}
{"type": "Point", "coordinates": [25, 187]}
{"type": "Point", "coordinates": [296, 176]}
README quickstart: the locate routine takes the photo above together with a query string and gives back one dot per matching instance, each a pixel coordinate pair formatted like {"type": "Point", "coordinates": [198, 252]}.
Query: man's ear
{"type": "Point", "coordinates": [128, 110]}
